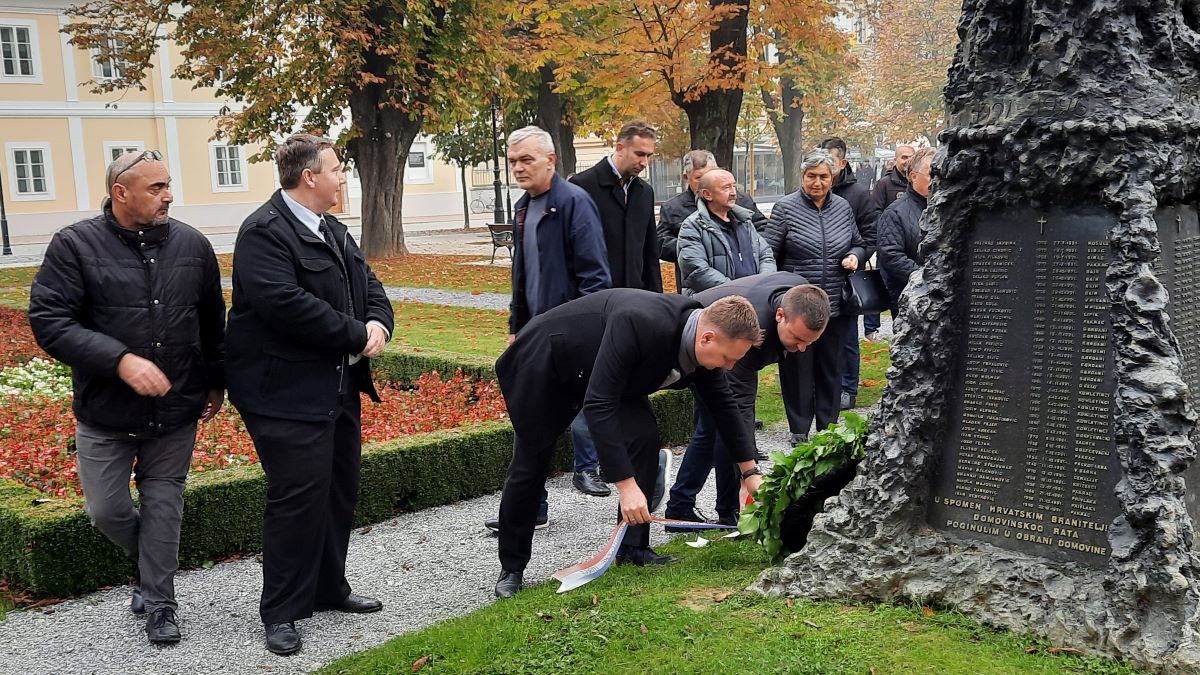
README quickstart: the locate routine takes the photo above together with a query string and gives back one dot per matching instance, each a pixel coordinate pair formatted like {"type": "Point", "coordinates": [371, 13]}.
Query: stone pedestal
{"type": "Point", "coordinates": [1030, 464]}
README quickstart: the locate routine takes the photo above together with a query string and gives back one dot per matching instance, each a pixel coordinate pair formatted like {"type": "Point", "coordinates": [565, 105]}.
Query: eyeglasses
{"type": "Point", "coordinates": [149, 154]}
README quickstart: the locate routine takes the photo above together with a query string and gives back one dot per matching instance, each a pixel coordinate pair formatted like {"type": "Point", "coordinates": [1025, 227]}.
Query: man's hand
{"type": "Point", "coordinates": [850, 262]}
{"type": "Point", "coordinates": [634, 509]}
{"type": "Point", "coordinates": [143, 376]}
{"type": "Point", "coordinates": [216, 398]}
{"type": "Point", "coordinates": [752, 484]}
{"type": "Point", "coordinates": [376, 341]}
{"type": "Point", "coordinates": [511, 338]}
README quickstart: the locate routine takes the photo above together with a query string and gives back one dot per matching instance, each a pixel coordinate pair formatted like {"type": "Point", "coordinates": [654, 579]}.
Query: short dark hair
{"type": "Point", "coordinates": [808, 301]}
{"type": "Point", "coordinates": [297, 153]}
{"type": "Point", "coordinates": [636, 128]}
{"type": "Point", "coordinates": [834, 143]}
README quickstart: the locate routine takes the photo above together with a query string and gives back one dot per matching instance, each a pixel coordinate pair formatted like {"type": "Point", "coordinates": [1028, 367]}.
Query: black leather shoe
{"type": "Point", "coordinates": [730, 519]}
{"type": "Point", "coordinates": [797, 439]}
{"type": "Point", "coordinates": [282, 638]}
{"type": "Point", "coordinates": [690, 515]}
{"type": "Point", "coordinates": [354, 604]}
{"type": "Point", "coordinates": [162, 627]}
{"type": "Point", "coordinates": [509, 583]}
{"type": "Point", "coordinates": [540, 524]}
{"type": "Point", "coordinates": [758, 425]}
{"type": "Point", "coordinates": [642, 557]}
{"type": "Point", "coordinates": [589, 483]}
{"type": "Point", "coordinates": [848, 400]}
{"type": "Point", "coordinates": [136, 604]}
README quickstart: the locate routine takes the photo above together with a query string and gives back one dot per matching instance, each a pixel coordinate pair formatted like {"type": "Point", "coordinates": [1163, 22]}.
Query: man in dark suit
{"type": "Point", "coordinates": [607, 352]}
{"type": "Point", "coordinates": [308, 314]}
{"type": "Point", "coordinates": [626, 205]}
{"type": "Point", "coordinates": [793, 314]}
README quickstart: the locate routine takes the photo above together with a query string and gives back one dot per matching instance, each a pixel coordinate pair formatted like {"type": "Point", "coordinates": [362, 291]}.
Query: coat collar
{"type": "Point", "coordinates": [555, 196]}
{"type": "Point", "coordinates": [280, 208]}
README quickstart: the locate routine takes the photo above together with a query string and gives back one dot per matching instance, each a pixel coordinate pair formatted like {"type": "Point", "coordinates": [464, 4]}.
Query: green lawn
{"type": "Point", "coordinates": [452, 329]}
{"type": "Point", "coordinates": [17, 276]}
{"type": "Point", "coordinates": [695, 617]}
{"type": "Point", "coordinates": [875, 362]}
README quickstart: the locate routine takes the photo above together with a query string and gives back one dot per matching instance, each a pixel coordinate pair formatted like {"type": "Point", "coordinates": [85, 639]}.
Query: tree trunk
{"type": "Point", "coordinates": [380, 154]}
{"type": "Point", "coordinates": [713, 115]}
{"type": "Point", "coordinates": [462, 173]}
{"type": "Point", "coordinates": [550, 117]}
{"type": "Point", "coordinates": [788, 122]}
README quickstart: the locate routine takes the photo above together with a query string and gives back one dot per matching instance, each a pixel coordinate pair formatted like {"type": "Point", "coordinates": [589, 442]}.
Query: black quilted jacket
{"type": "Point", "coordinates": [812, 242]}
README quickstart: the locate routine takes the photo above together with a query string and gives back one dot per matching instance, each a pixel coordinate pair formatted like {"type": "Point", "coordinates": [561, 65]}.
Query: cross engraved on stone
{"type": "Point", "coordinates": [1042, 223]}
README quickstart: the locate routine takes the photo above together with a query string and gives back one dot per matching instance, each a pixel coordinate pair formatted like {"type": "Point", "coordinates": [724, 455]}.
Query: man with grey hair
{"type": "Point", "coordinates": [308, 315]}
{"type": "Point", "coordinates": [696, 163]}
{"type": "Point", "coordinates": [894, 183]}
{"type": "Point", "coordinates": [131, 301]}
{"type": "Point", "coordinates": [558, 255]}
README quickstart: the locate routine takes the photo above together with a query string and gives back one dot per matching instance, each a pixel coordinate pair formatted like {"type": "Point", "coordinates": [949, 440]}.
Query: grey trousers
{"type": "Point", "coordinates": [149, 535]}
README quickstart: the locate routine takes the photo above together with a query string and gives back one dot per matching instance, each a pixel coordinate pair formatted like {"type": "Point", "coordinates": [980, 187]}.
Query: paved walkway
{"type": "Point", "coordinates": [426, 566]}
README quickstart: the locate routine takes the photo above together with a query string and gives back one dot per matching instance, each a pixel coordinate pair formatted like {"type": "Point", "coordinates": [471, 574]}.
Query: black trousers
{"type": "Point", "coordinates": [531, 464]}
{"type": "Point", "coordinates": [811, 381]}
{"type": "Point", "coordinates": [312, 488]}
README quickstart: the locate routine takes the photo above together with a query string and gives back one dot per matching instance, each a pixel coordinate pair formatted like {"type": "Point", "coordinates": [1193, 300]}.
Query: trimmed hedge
{"type": "Point", "coordinates": [49, 547]}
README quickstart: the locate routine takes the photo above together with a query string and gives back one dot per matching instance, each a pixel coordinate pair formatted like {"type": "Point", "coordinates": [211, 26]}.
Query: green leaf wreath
{"type": "Point", "coordinates": [792, 474]}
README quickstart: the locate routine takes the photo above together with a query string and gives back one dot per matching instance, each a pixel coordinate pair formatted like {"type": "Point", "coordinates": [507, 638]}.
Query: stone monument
{"type": "Point", "coordinates": [1031, 460]}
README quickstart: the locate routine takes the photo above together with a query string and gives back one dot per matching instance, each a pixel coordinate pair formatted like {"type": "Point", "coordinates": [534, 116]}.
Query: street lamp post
{"type": "Point", "coordinates": [4, 222]}
{"type": "Point", "coordinates": [498, 205]}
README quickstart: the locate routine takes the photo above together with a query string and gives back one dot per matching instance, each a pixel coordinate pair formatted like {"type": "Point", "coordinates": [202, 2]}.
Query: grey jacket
{"type": "Point", "coordinates": [705, 259]}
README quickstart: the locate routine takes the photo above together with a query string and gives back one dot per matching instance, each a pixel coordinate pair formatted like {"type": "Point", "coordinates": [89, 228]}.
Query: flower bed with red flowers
{"type": "Point", "coordinates": [433, 441]}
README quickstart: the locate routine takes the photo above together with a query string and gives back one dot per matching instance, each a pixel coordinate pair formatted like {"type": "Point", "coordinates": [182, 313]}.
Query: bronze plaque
{"type": "Point", "coordinates": [1029, 462]}
{"type": "Point", "coordinates": [1178, 268]}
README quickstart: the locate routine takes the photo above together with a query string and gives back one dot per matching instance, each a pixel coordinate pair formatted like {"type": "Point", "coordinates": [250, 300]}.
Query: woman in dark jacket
{"type": "Point", "coordinates": [813, 233]}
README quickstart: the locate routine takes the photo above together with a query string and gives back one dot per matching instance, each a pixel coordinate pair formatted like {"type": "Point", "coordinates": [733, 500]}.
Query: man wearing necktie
{"type": "Point", "coordinates": [626, 205]}
{"type": "Point", "coordinates": [308, 315]}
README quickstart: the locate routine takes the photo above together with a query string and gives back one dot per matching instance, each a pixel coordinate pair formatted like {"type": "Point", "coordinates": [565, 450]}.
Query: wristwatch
{"type": "Point", "coordinates": [754, 471]}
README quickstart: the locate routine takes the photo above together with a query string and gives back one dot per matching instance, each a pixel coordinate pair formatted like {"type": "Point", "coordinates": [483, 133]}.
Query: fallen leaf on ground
{"type": "Point", "coordinates": [365, 530]}
{"type": "Point", "coordinates": [419, 663]}
{"type": "Point", "coordinates": [790, 603]}
{"type": "Point", "coordinates": [643, 629]}
{"type": "Point", "coordinates": [810, 624]}
{"type": "Point", "coordinates": [1065, 650]}
{"type": "Point", "coordinates": [1032, 649]}
{"type": "Point", "coordinates": [927, 611]}
{"type": "Point", "coordinates": [545, 617]}
{"type": "Point", "coordinates": [910, 627]}
{"type": "Point", "coordinates": [721, 597]}
{"type": "Point", "coordinates": [595, 600]}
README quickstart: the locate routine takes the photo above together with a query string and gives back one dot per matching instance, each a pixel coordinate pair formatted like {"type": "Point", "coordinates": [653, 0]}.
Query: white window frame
{"type": "Point", "coordinates": [212, 159]}
{"type": "Point", "coordinates": [10, 151]}
{"type": "Point", "coordinates": [115, 65]}
{"type": "Point", "coordinates": [109, 146]}
{"type": "Point", "coordinates": [34, 52]}
{"type": "Point", "coordinates": [419, 175]}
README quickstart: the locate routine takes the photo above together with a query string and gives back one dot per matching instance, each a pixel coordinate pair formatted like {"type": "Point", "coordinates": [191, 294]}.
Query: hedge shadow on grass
{"type": "Point", "coordinates": [49, 547]}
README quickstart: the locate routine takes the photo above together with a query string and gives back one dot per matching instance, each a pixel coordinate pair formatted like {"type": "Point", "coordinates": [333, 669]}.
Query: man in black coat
{"type": "Point", "coordinates": [793, 314]}
{"type": "Point", "coordinates": [900, 228]}
{"type": "Point", "coordinates": [308, 315]}
{"type": "Point", "coordinates": [626, 205]}
{"type": "Point", "coordinates": [131, 301]}
{"type": "Point", "coordinates": [866, 213]}
{"type": "Point", "coordinates": [894, 181]}
{"type": "Point", "coordinates": [607, 352]}
{"type": "Point", "coordinates": [677, 209]}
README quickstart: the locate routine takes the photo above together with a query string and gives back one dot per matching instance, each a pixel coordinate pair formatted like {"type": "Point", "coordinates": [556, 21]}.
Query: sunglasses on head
{"type": "Point", "coordinates": [149, 154]}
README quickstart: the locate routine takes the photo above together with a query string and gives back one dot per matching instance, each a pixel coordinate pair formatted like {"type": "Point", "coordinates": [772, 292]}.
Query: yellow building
{"type": "Point", "coordinates": [58, 137]}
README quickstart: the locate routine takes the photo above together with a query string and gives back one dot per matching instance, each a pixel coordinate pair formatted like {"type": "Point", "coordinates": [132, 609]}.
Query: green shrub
{"type": "Point", "coordinates": [792, 474]}
{"type": "Point", "coordinates": [49, 547]}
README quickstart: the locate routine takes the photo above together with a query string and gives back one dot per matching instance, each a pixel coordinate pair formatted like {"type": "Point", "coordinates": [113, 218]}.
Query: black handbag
{"type": "Point", "coordinates": [864, 293]}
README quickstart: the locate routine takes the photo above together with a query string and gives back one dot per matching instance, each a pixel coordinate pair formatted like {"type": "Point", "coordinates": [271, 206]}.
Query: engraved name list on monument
{"type": "Point", "coordinates": [1030, 461]}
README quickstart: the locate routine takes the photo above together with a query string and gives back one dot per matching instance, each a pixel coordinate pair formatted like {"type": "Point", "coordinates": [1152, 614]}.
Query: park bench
{"type": "Point", "coordinates": [502, 237]}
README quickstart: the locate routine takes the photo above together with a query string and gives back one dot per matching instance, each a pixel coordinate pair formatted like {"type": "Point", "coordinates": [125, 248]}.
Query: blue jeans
{"type": "Point", "coordinates": [850, 358]}
{"type": "Point", "coordinates": [586, 458]}
{"type": "Point", "coordinates": [871, 323]}
{"type": "Point", "coordinates": [706, 451]}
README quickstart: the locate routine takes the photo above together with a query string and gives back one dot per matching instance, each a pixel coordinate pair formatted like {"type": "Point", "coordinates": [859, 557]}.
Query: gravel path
{"type": "Point", "coordinates": [425, 566]}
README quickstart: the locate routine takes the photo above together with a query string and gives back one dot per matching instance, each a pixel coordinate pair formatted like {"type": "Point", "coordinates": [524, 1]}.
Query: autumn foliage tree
{"type": "Point", "coordinates": [907, 64]}
{"type": "Point", "coordinates": [395, 65]}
